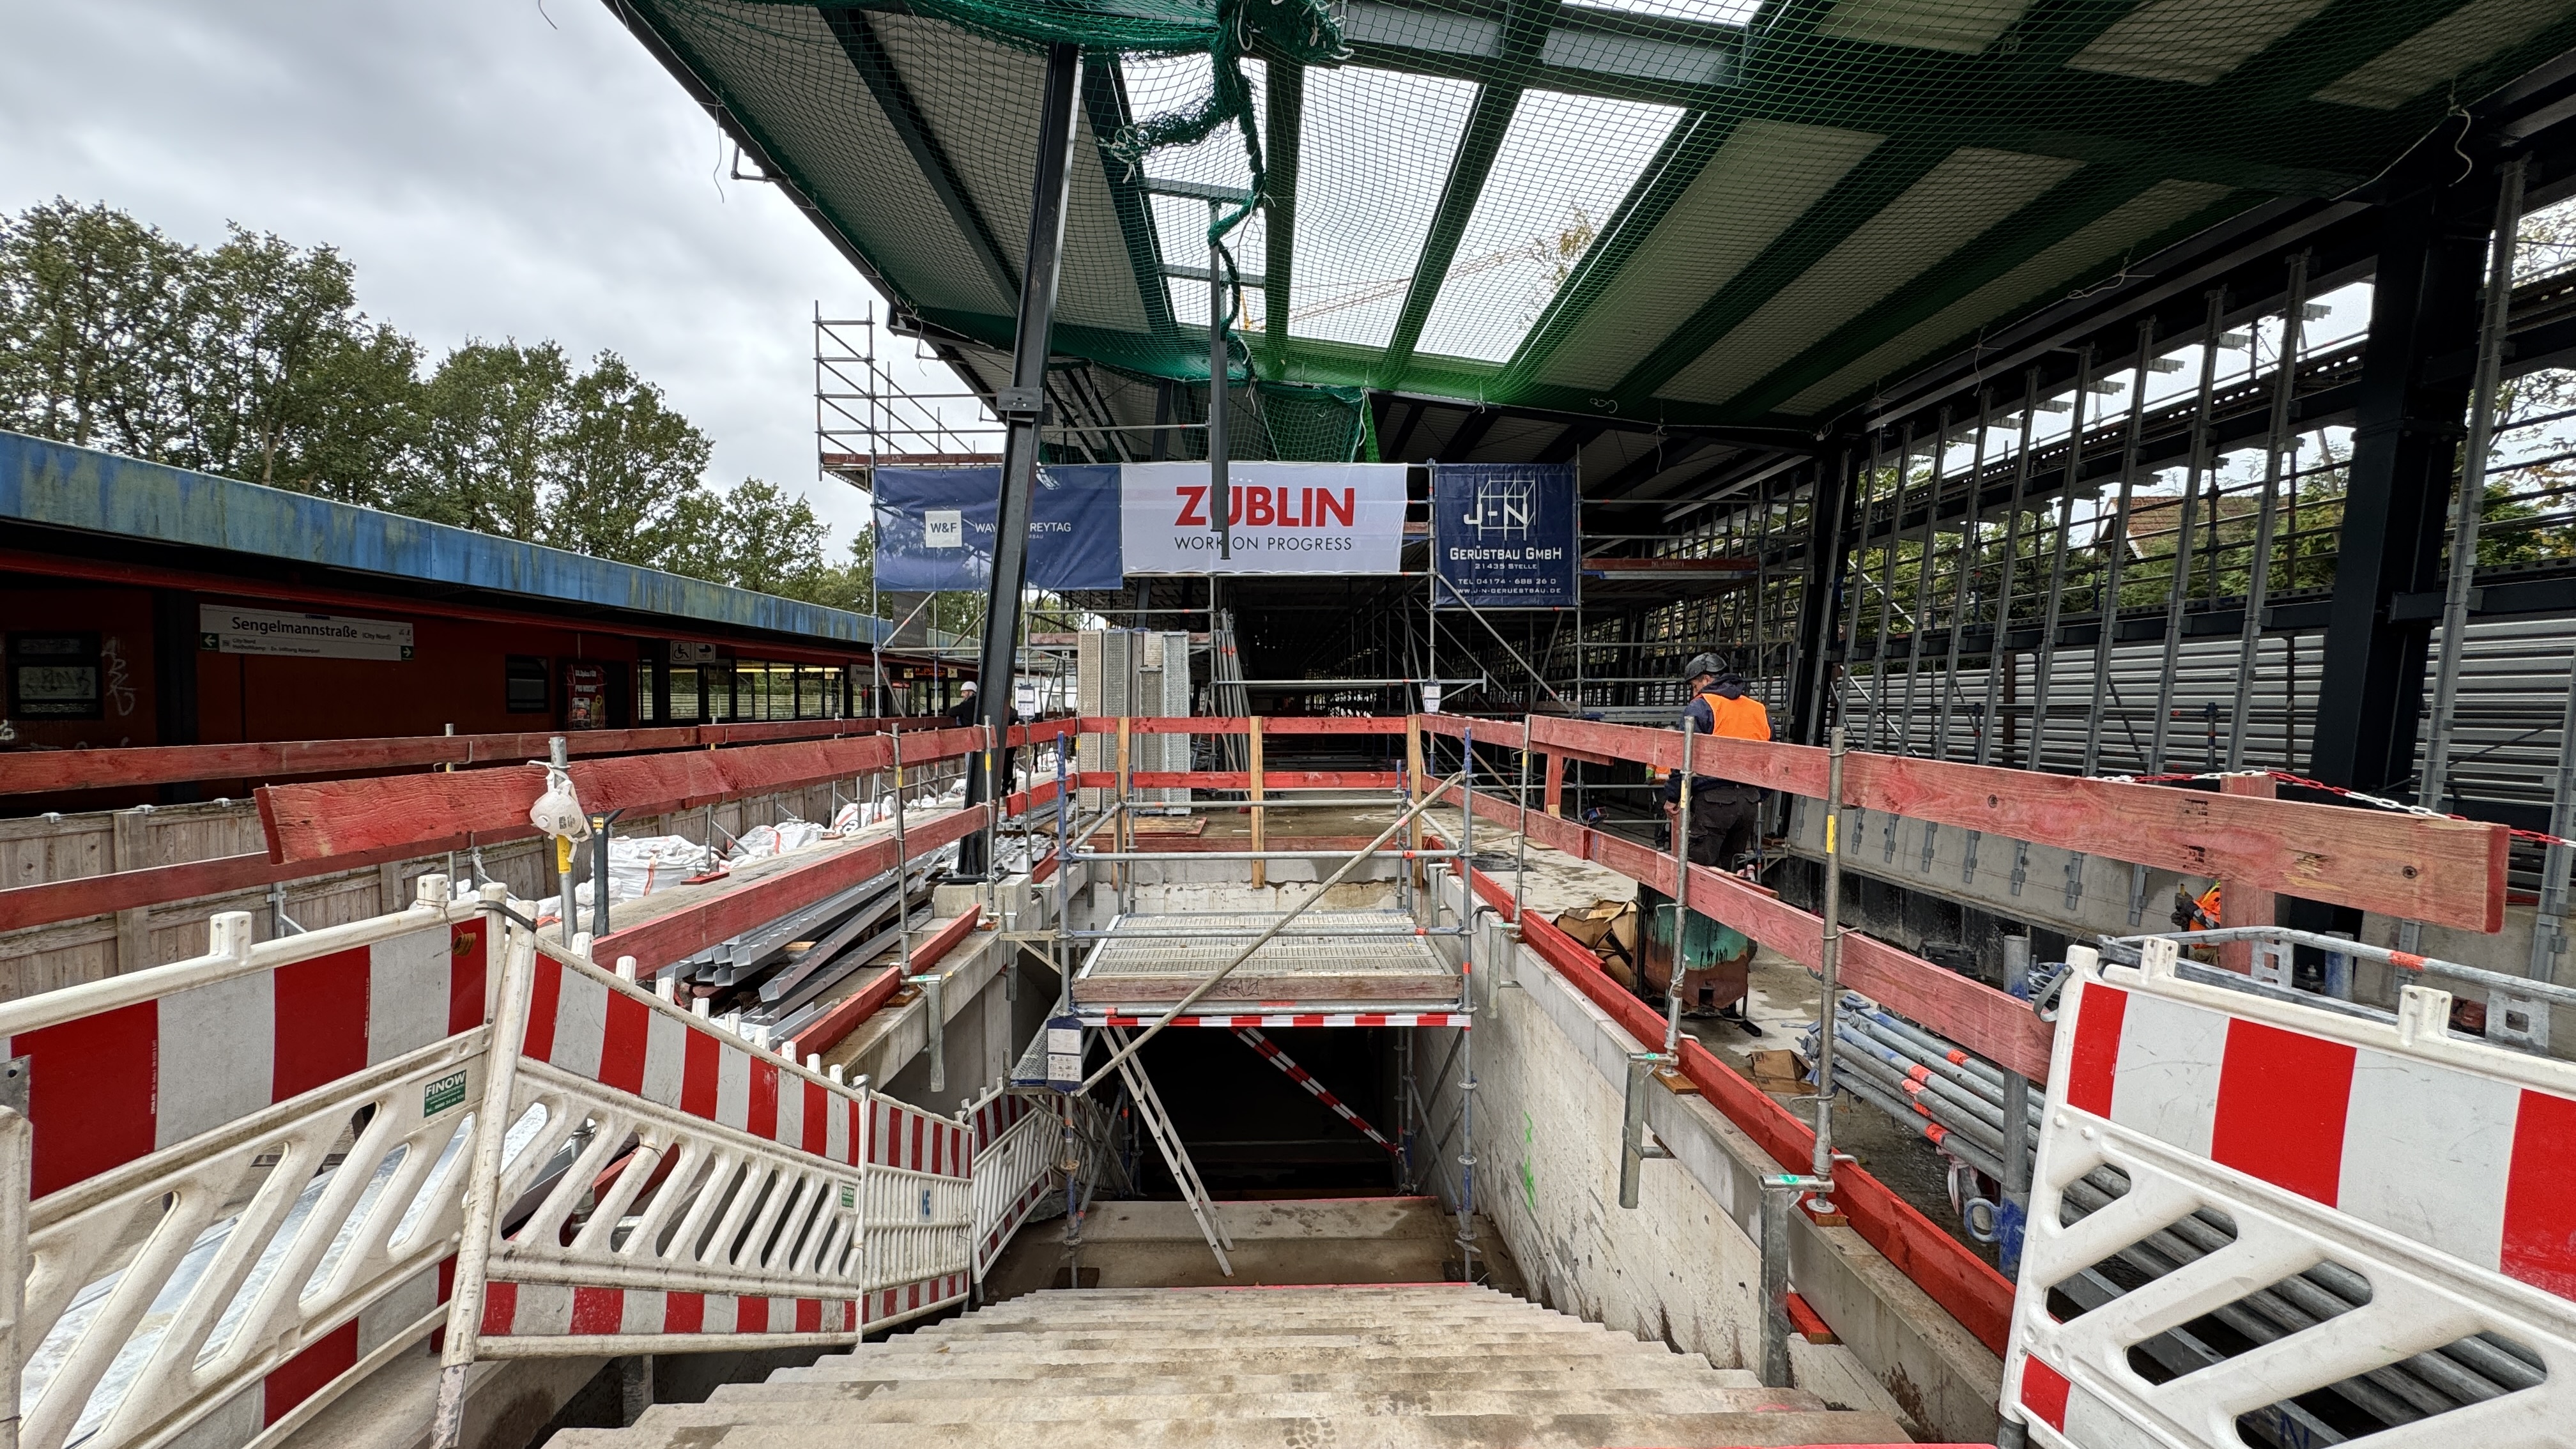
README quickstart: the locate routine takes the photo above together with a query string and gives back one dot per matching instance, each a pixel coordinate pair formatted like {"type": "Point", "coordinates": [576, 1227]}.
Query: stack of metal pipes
{"type": "Point", "coordinates": [1956, 1102]}
{"type": "Point", "coordinates": [1951, 1098]}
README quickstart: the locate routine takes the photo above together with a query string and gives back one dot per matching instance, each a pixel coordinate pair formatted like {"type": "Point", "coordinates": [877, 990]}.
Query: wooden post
{"type": "Point", "coordinates": [2242, 904]}
{"type": "Point", "coordinates": [1125, 834]}
{"type": "Point", "coordinates": [1556, 784]}
{"type": "Point", "coordinates": [1413, 789]}
{"type": "Point", "coordinates": [1260, 868]}
{"type": "Point", "coordinates": [129, 848]}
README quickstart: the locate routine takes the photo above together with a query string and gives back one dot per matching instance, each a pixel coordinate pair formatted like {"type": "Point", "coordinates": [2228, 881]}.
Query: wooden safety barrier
{"type": "Point", "coordinates": [45, 772]}
{"type": "Point", "coordinates": [2413, 867]}
{"type": "Point", "coordinates": [1988, 1022]}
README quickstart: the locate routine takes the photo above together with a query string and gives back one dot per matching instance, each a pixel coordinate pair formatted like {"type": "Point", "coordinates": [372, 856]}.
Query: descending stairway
{"type": "Point", "coordinates": [1400, 1367]}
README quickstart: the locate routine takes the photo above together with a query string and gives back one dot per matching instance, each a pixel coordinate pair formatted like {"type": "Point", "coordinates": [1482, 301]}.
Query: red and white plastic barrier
{"type": "Point", "coordinates": [2439, 1168]}
{"type": "Point", "coordinates": [190, 1160]}
{"type": "Point", "coordinates": [123, 1068]}
{"type": "Point", "coordinates": [716, 1195]}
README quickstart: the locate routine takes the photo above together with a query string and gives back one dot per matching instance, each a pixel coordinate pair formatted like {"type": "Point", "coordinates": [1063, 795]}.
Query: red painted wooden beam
{"type": "Point", "coordinates": [324, 821]}
{"type": "Point", "coordinates": [677, 934]}
{"type": "Point", "coordinates": [56, 771]}
{"type": "Point", "coordinates": [1271, 779]}
{"type": "Point", "coordinates": [1319, 724]}
{"type": "Point", "coordinates": [827, 1031]}
{"type": "Point", "coordinates": [1988, 1022]}
{"type": "Point", "coordinates": [2416, 867]}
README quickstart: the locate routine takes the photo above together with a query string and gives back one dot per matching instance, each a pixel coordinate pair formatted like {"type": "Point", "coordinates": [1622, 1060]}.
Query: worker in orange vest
{"type": "Point", "coordinates": [1725, 816]}
{"type": "Point", "coordinates": [1725, 823]}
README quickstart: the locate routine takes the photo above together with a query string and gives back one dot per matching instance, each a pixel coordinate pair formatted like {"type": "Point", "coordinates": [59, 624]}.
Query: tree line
{"type": "Point", "coordinates": [253, 360]}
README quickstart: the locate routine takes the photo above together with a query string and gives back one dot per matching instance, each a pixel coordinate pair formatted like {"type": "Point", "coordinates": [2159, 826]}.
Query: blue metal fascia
{"type": "Point", "coordinates": [81, 488]}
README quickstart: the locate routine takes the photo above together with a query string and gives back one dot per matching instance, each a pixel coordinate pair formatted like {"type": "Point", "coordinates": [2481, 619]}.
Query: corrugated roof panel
{"type": "Point", "coordinates": [786, 75]}
{"type": "Point", "coordinates": [2476, 32]}
{"type": "Point", "coordinates": [1965, 26]}
{"type": "Point", "coordinates": [982, 101]}
{"type": "Point", "coordinates": [1760, 181]}
{"type": "Point", "coordinates": [1562, 167]}
{"type": "Point", "coordinates": [2192, 41]}
{"type": "Point", "coordinates": [2142, 216]}
{"type": "Point", "coordinates": [1972, 189]}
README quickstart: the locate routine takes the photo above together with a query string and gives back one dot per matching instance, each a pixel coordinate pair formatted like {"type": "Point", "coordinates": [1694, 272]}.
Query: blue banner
{"type": "Point", "coordinates": [1504, 534]}
{"type": "Point", "coordinates": [935, 528]}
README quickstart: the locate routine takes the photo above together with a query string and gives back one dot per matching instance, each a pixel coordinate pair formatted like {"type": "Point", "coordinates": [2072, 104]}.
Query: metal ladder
{"type": "Point", "coordinates": [1158, 1125]}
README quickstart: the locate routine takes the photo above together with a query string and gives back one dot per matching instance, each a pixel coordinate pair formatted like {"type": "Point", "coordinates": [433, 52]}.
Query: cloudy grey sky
{"type": "Point", "coordinates": [492, 169]}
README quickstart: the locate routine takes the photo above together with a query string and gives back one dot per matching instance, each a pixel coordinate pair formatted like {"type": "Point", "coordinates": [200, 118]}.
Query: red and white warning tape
{"type": "Point", "coordinates": [1295, 1073]}
{"type": "Point", "coordinates": [1341, 1018]}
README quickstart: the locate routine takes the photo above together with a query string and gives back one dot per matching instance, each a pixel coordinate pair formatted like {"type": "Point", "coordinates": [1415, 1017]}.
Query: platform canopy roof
{"type": "Point", "coordinates": [1710, 212]}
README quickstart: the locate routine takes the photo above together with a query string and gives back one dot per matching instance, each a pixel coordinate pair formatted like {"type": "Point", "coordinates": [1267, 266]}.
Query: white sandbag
{"type": "Point", "coordinates": [787, 835]}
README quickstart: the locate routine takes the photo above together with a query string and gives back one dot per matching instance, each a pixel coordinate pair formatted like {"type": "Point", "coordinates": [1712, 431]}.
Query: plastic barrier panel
{"type": "Point", "coordinates": [243, 1174]}
{"type": "Point", "coordinates": [666, 1187]}
{"type": "Point", "coordinates": [2260, 1221]}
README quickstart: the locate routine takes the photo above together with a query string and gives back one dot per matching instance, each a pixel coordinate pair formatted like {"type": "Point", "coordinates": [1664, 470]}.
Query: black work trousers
{"type": "Point", "coordinates": [1725, 823]}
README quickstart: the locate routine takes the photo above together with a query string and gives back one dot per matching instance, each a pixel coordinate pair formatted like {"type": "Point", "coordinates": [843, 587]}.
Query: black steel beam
{"type": "Point", "coordinates": [1829, 516]}
{"type": "Point", "coordinates": [875, 65]}
{"type": "Point", "coordinates": [1023, 406]}
{"type": "Point", "coordinates": [1285, 102]}
{"type": "Point", "coordinates": [1104, 104]}
{"type": "Point", "coordinates": [2405, 435]}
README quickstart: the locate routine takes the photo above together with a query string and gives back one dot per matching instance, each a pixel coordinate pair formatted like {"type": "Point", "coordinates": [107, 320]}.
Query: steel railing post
{"type": "Point", "coordinates": [483, 1180]}
{"type": "Point", "coordinates": [1829, 957]}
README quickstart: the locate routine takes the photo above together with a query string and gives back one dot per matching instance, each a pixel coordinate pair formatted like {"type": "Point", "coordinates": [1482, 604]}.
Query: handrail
{"type": "Point", "coordinates": [46, 772]}
{"type": "Point", "coordinates": [2414, 867]}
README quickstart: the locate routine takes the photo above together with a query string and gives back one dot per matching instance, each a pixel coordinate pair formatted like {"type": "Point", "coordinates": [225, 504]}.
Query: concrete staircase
{"type": "Point", "coordinates": [1409, 1367]}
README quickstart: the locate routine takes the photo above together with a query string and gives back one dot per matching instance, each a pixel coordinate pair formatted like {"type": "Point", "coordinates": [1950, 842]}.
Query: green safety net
{"type": "Point", "coordinates": [1638, 211]}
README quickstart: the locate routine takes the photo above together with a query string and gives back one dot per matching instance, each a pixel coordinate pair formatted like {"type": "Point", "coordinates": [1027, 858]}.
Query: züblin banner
{"type": "Point", "coordinates": [1504, 534]}
{"type": "Point", "coordinates": [1093, 524]}
{"type": "Point", "coordinates": [1287, 518]}
{"type": "Point", "coordinates": [935, 527]}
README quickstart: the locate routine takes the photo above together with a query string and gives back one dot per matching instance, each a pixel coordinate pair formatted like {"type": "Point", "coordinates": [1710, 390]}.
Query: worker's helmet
{"type": "Point", "coordinates": [1703, 664]}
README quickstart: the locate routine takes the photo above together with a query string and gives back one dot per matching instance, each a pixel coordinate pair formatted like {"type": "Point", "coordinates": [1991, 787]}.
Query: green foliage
{"type": "Point", "coordinates": [252, 360]}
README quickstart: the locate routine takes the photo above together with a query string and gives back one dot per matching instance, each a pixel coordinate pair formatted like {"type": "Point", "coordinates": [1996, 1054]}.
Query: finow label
{"type": "Point", "coordinates": [1257, 506]}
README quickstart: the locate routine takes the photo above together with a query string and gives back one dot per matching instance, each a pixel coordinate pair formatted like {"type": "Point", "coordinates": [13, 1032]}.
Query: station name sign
{"type": "Point", "coordinates": [309, 636]}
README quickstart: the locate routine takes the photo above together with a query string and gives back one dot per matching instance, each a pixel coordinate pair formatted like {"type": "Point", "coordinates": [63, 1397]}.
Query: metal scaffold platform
{"type": "Point", "coordinates": [1335, 960]}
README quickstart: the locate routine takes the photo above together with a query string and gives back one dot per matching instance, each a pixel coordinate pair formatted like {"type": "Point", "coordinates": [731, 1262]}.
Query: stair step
{"type": "Point", "coordinates": [1589, 1372]}
{"type": "Point", "coordinates": [1073, 1362]}
{"type": "Point", "coordinates": [832, 1426]}
{"type": "Point", "coordinates": [1109, 1336]}
{"type": "Point", "coordinates": [1074, 1403]}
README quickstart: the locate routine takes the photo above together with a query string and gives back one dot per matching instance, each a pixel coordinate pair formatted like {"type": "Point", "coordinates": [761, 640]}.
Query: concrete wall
{"type": "Point", "coordinates": [1684, 1265]}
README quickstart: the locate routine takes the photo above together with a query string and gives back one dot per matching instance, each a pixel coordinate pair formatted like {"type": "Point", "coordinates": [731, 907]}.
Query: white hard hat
{"type": "Point", "coordinates": [967, 688]}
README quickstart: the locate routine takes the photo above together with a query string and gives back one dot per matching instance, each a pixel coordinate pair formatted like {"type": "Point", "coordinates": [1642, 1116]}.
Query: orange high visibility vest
{"type": "Point", "coordinates": [1741, 718]}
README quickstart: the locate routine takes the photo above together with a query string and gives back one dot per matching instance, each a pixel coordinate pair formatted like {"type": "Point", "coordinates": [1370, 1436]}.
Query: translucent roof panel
{"type": "Point", "coordinates": [1561, 170]}
{"type": "Point", "coordinates": [1375, 155]}
{"type": "Point", "coordinates": [1707, 12]}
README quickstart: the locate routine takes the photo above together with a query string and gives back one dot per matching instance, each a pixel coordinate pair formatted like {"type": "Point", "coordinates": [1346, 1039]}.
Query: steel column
{"type": "Point", "coordinates": [1023, 404]}
{"type": "Point", "coordinates": [2438, 786]}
